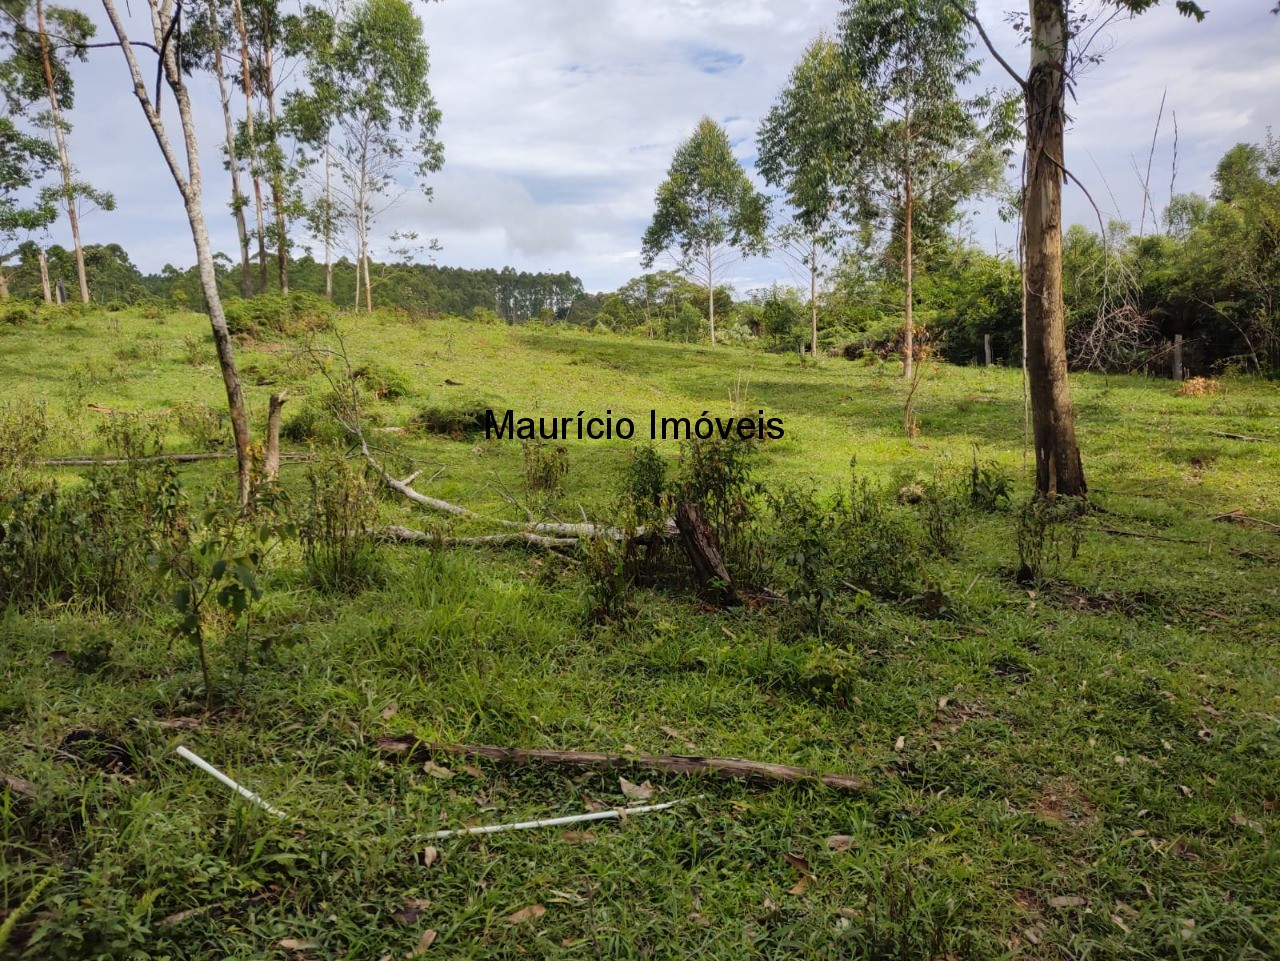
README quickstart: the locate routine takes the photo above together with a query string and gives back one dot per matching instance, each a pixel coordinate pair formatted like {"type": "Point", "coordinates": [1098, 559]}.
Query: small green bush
{"type": "Point", "coordinates": [384, 383]}
{"type": "Point", "coordinates": [1048, 533]}
{"type": "Point", "coordinates": [287, 315]}
{"type": "Point", "coordinates": [17, 313]}
{"type": "Point", "coordinates": [318, 421]}
{"type": "Point", "coordinates": [455, 420]}
{"type": "Point", "coordinates": [335, 527]}
{"type": "Point", "coordinates": [545, 467]}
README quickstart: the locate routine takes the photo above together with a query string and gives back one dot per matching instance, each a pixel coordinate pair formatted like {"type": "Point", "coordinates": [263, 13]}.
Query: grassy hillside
{"type": "Point", "coordinates": [1085, 768]}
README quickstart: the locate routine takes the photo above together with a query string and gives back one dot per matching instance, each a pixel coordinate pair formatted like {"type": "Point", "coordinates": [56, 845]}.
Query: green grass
{"type": "Point", "coordinates": [1091, 770]}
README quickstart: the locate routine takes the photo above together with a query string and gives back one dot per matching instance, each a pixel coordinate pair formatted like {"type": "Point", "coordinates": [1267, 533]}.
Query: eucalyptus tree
{"type": "Point", "coordinates": [707, 213]}
{"type": "Point", "coordinates": [372, 104]}
{"type": "Point", "coordinates": [262, 32]}
{"type": "Point", "coordinates": [800, 152]}
{"type": "Point", "coordinates": [41, 41]}
{"type": "Point", "coordinates": [23, 161]}
{"type": "Point", "coordinates": [918, 147]}
{"type": "Point", "coordinates": [210, 32]}
{"type": "Point", "coordinates": [187, 176]}
{"type": "Point", "coordinates": [1058, 46]}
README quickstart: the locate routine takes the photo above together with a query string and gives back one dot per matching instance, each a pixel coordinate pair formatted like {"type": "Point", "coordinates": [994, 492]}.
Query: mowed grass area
{"type": "Point", "coordinates": [1087, 770]}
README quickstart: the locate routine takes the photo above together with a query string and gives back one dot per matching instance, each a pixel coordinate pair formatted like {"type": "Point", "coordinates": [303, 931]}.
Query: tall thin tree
{"type": "Point", "coordinates": [707, 213]}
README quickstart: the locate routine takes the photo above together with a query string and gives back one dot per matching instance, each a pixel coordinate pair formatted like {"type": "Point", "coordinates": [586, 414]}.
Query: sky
{"type": "Point", "coordinates": [560, 118]}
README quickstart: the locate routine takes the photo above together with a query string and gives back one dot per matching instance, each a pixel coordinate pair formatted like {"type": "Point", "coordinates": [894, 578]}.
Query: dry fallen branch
{"type": "Point", "coordinates": [729, 768]}
{"type": "Point", "coordinates": [1240, 517]}
{"type": "Point", "coordinates": [1243, 437]}
{"type": "Point", "coordinates": [92, 461]}
{"type": "Point", "coordinates": [406, 535]}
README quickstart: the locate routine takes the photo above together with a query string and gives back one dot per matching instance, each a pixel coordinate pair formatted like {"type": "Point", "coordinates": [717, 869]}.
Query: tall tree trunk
{"type": "Point", "coordinates": [711, 294]}
{"type": "Point", "coordinates": [328, 215]}
{"type": "Point", "coordinates": [368, 284]}
{"type": "Point", "coordinates": [909, 335]}
{"type": "Point", "coordinates": [4, 285]}
{"type": "Point", "coordinates": [189, 184]}
{"type": "Point", "coordinates": [238, 199]}
{"type": "Point", "coordinates": [277, 182]}
{"type": "Point", "coordinates": [813, 295]}
{"type": "Point", "coordinates": [64, 160]}
{"type": "Point", "coordinates": [1058, 466]}
{"type": "Point", "coordinates": [44, 277]}
{"type": "Point", "coordinates": [251, 134]}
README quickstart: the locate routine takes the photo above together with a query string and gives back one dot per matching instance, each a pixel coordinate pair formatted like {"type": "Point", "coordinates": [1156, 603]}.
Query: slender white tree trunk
{"type": "Point", "coordinates": [238, 200]}
{"type": "Point", "coordinates": [188, 182]}
{"type": "Point", "coordinates": [64, 159]}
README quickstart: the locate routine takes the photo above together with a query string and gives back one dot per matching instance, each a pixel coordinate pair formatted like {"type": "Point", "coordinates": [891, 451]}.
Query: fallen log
{"type": "Point", "coordinates": [728, 768]}
{"type": "Point", "coordinates": [1244, 437]}
{"type": "Point", "coordinates": [406, 535]}
{"type": "Point", "coordinates": [550, 528]}
{"type": "Point", "coordinates": [92, 461]}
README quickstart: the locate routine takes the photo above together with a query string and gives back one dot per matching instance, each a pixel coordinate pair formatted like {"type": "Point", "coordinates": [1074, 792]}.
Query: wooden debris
{"type": "Point", "coordinates": [1240, 517]}
{"type": "Point", "coordinates": [699, 543]}
{"type": "Point", "coordinates": [729, 768]}
{"type": "Point", "coordinates": [1243, 437]}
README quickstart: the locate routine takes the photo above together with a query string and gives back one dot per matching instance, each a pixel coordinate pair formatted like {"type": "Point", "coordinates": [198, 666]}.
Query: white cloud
{"type": "Point", "coordinates": [560, 119]}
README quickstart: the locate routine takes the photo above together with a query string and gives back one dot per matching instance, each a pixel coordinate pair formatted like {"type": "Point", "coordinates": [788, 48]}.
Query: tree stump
{"type": "Point", "coordinates": [699, 543]}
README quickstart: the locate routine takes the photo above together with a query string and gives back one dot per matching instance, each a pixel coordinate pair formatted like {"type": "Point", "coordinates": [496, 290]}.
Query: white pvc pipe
{"type": "Point", "coordinates": [208, 768]}
{"type": "Point", "coordinates": [552, 822]}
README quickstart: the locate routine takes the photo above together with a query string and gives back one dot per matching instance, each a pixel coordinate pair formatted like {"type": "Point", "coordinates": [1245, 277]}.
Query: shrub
{"type": "Point", "coordinates": [821, 550]}
{"type": "Point", "coordinates": [455, 421]}
{"type": "Point", "coordinates": [91, 543]}
{"type": "Point", "coordinates": [195, 350]}
{"type": "Point", "coordinates": [204, 426]}
{"type": "Point", "coordinates": [384, 383]}
{"type": "Point", "coordinates": [24, 426]}
{"type": "Point", "coordinates": [545, 467]}
{"type": "Point", "coordinates": [941, 506]}
{"type": "Point", "coordinates": [645, 483]}
{"type": "Point", "coordinates": [717, 475]}
{"type": "Point", "coordinates": [1048, 534]}
{"type": "Point", "coordinates": [1198, 387]}
{"type": "Point", "coordinates": [17, 313]}
{"type": "Point", "coordinates": [335, 527]}
{"type": "Point", "coordinates": [295, 313]}
{"type": "Point", "coordinates": [990, 486]}
{"type": "Point", "coordinates": [317, 421]}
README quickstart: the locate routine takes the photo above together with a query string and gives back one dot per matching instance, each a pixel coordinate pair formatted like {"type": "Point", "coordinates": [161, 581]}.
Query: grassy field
{"type": "Point", "coordinates": [1087, 769]}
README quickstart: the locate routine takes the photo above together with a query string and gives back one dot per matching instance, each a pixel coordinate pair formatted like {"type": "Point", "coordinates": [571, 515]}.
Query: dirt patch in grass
{"type": "Point", "coordinates": [1063, 803]}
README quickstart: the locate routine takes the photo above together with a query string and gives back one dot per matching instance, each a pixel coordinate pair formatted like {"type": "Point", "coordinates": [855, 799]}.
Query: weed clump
{"type": "Point", "coordinates": [454, 421]}
{"type": "Point", "coordinates": [1048, 533]}
{"type": "Point", "coordinates": [288, 315]}
{"type": "Point", "coordinates": [92, 543]}
{"type": "Point", "coordinates": [1198, 387]}
{"type": "Point", "coordinates": [545, 467]}
{"type": "Point", "coordinates": [335, 527]}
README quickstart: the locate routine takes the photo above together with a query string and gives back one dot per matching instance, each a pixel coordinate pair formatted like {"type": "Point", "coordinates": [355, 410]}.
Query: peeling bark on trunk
{"type": "Point", "coordinates": [64, 159]}
{"type": "Point", "coordinates": [277, 184]}
{"type": "Point", "coordinates": [1058, 467]}
{"type": "Point", "coordinates": [711, 294]}
{"type": "Point", "coordinates": [813, 296]}
{"type": "Point", "coordinates": [271, 457]}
